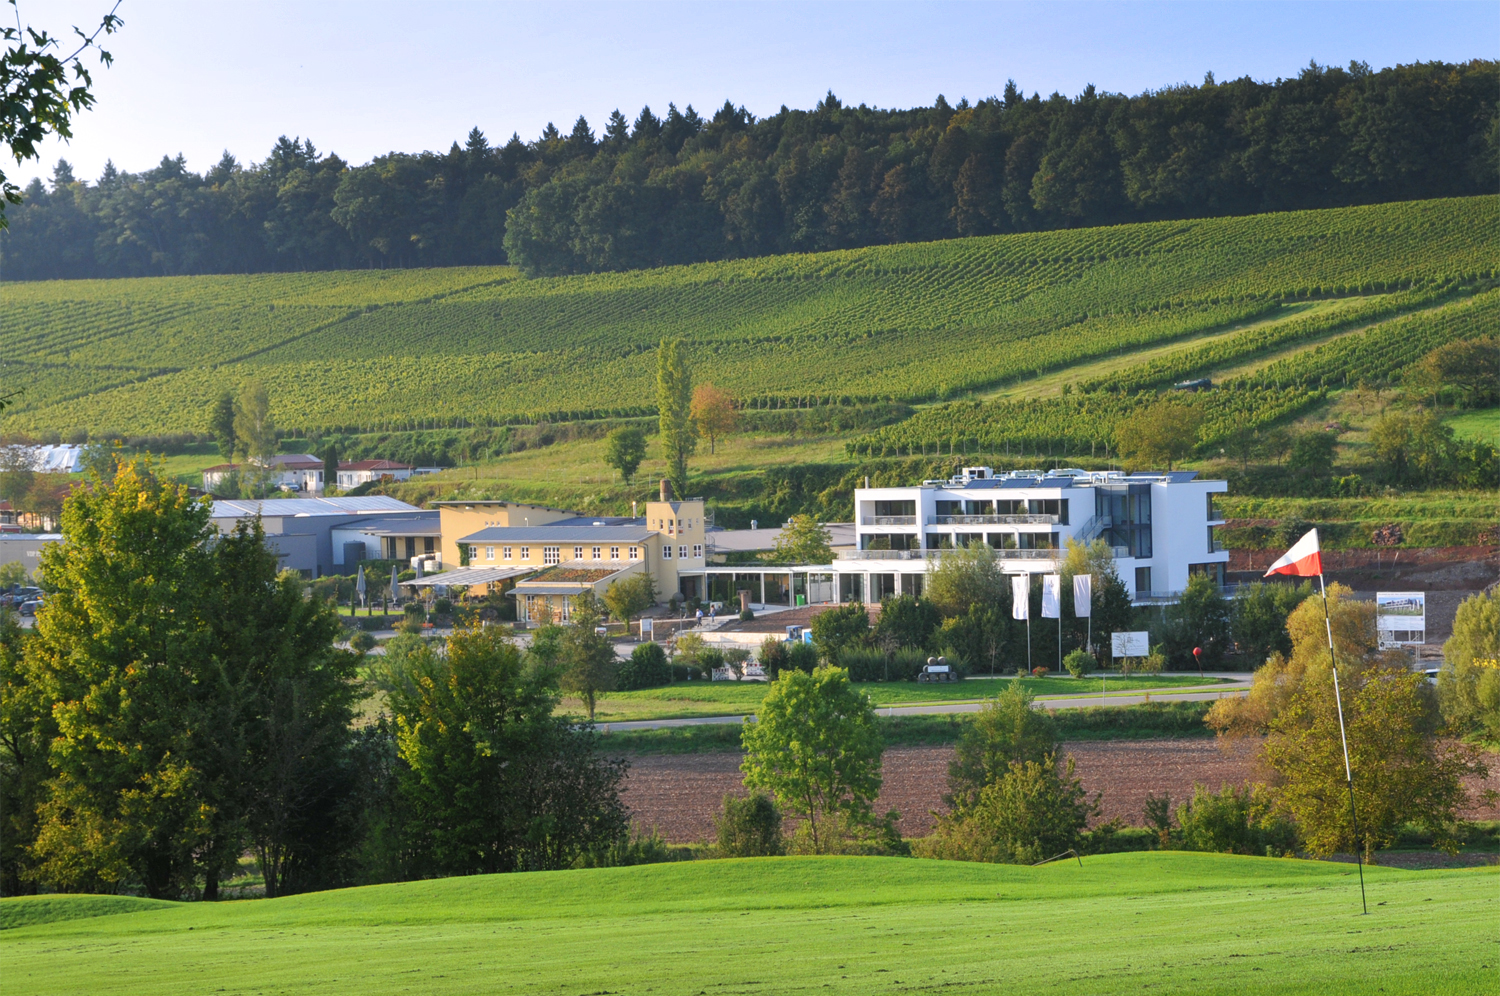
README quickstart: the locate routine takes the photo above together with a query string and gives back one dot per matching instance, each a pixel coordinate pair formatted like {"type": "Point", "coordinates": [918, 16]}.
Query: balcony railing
{"type": "Point", "coordinates": [888, 520]}
{"type": "Point", "coordinates": [924, 554]}
{"type": "Point", "coordinates": [990, 520]}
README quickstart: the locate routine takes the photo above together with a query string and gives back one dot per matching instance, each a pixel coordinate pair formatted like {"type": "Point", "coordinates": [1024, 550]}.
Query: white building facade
{"type": "Point", "coordinates": [1160, 526]}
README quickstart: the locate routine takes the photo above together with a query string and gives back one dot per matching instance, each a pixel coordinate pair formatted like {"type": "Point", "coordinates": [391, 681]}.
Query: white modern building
{"type": "Point", "coordinates": [352, 475]}
{"type": "Point", "coordinates": [1160, 526]}
{"type": "Point", "coordinates": [289, 471]}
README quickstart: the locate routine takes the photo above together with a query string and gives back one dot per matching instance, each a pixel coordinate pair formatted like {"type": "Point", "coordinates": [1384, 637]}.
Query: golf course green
{"type": "Point", "coordinates": [1138, 922]}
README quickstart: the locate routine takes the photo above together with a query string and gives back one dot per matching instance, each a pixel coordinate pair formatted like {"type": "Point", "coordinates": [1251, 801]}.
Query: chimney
{"type": "Point", "coordinates": [666, 489]}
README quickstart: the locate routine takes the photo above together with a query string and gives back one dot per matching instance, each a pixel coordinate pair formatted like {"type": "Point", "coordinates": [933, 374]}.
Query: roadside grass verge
{"type": "Point", "coordinates": [1203, 923]}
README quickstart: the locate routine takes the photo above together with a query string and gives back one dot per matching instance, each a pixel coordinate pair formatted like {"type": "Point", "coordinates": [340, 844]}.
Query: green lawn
{"type": "Point", "coordinates": [718, 698]}
{"type": "Point", "coordinates": [1162, 922]}
{"type": "Point", "coordinates": [1483, 425]}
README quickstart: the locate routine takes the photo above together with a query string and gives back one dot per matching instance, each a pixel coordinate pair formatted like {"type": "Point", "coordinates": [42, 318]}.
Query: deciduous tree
{"type": "Point", "coordinates": [674, 399]}
{"type": "Point", "coordinates": [588, 659]}
{"type": "Point", "coordinates": [803, 540]}
{"type": "Point", "coordinates": [624, 449]}
{"type": "Point", "coordinates": [1161, 434]}
{"type": "Point", "coordinates": [714, 412]}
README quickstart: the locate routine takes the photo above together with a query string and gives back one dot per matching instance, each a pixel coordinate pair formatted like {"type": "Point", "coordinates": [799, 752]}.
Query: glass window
{"type": "Point", "coordinates": [596, 553]}
{"type": "Point", "coordinates": [666, 551]}
{"type": "Point", "coordinates": [505, 553]}
{"type": "Point", "coordinates": [489, 553]}
{"type": "Point", "coordinates": [682, 553]}
{"type": "Point", "coordinates": [525, 553]}
{"type": "Point", "coordinates": [578, 553]}
{"type": "Point", "coordinates": [551, 555]}
{"type": "Point", "coordinates": [697, 550]}
{"type": "Point", "coordinates": [1142, 581]}
{"type": "Point", "coordinates": [635, 553]}
{"type": "Point", "coordinates": [427, 544]}
{"type": "Point", "coordinates": [614, 553]}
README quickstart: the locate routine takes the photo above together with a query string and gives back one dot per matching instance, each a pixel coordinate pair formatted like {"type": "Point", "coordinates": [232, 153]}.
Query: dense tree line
{"type": "Point", "coordinates": [681, 188]}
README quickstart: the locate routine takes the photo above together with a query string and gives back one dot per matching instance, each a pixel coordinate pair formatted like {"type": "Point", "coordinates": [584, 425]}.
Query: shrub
{"type": "Point", "coordinates": [646, 667]}
{"type": "Point", "coordinates": [773, 656]}
{"type": "Point", "coordinates": [1041, 672]}
{"type": "Point", "coordinates": [1235, 820]}
{"type": "Point", "coordinates": [750, 827]}
{"type": "Point", "coordinates": [442, 607]}
{"type": "Point", "coordinates": [635, 849]}
{"type": "Point", "coordinates": [361, 642]}
{"type": "Point", "coordinates": [864, 664]}
{"type": "Point", "coordinates": [1031, 814]}
{"type": "Point", "coordinates": [839, 627]}
{"type": "Point", "coordinates": [802, 657]}
{"type": "Point", "coordinates": [1153, 663]}
{"type": "Point", "coordinates": [746, 615]}
{"type": "Point", "coordinates": [1079, 663]}
{"type": "Point", "coordinates": [710, 659]}
{"type": "Point", "coordinates": [1158, 816]}
{"type": "Point", "coordinates": [1006, 730]}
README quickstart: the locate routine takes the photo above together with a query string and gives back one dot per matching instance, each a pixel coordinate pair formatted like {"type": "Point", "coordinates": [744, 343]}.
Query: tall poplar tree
{"type": "Point", "coordinates": [674, 399]}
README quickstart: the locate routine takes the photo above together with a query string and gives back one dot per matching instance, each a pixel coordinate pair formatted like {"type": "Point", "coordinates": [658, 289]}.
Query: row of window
{"type": "Point", "coordinates": [553, 554]}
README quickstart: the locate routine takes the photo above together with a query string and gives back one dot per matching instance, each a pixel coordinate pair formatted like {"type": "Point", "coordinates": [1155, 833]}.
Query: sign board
{"type": "Point", "coordinates": [1132, 644]}
{"type": "Point", "coordinates": [1401, 618]}
{"type": "Point", "coordinates": [648, 629]}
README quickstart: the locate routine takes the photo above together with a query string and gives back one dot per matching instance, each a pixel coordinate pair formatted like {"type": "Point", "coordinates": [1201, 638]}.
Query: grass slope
{"type": "Point", "coordinates": [412, 348]}
{"type": "Point", "coordinates": [1169, 922]}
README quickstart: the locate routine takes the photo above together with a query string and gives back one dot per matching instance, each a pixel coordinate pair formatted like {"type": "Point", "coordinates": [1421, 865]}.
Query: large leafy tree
{"type": "Point", "coordinates": [674, 400]}
{"type": "Point", "coordinates": [624, 449]}
{"type": "Point", "coordinates": [714, 413]}
{"type": "Point", "coordinates": [121, 648]}
{"type": "Point", "coordinates": [815, 747]}
{"type": "Point", "coordinates": [494, 781]}
{"type": "Point", "coordinates": [588, 658]}
{"type": "Point", "coordinates": [1008, 729]}
{"type": "Point", "coordinates": [26, 730]}
{"type": "Point", "coordinates": [803, 540]}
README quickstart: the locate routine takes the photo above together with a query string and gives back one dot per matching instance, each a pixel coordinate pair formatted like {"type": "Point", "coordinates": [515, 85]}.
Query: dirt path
{"type": "Point", "coordinates": [679, 794]}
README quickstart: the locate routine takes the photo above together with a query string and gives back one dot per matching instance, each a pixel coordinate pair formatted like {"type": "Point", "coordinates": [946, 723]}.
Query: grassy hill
{"type": "Point", "coordinates": [1172, 922]}
{"type": "Point", "coordinates": [916, 322]}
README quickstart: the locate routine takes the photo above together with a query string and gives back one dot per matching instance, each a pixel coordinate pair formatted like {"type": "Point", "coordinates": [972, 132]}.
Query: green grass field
{"type": "Point", "coordinates": [1152, 922]}
{"type": "Point", "coordinates": [719, 698]}
{"type": "Point", "coordinates": [445, 346]}
{"type": "Point", "coordinates": [1481, 425]}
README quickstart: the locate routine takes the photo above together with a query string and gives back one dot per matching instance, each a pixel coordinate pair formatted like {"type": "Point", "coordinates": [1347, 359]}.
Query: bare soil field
{"type": "Point", "coordinates": [678, 794]}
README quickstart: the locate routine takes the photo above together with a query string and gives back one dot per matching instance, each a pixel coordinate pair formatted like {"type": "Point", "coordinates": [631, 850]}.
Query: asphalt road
{"type": "Point", "coordinates": [1200, 693]}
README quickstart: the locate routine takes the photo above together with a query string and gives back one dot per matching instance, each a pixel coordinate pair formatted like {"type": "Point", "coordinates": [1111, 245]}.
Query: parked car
{"type": "Point", "coordinates": [29, 608]}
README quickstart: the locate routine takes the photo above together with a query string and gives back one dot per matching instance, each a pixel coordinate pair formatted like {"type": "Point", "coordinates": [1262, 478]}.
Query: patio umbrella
{"type": "Point", "coordinates": [359, 584]}
{"type": "Point", "coordinates": [395, 587]}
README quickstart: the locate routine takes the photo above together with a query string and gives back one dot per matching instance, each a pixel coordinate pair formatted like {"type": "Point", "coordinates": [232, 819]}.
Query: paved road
{"type": "Point", "coordinates": [1199, 693]}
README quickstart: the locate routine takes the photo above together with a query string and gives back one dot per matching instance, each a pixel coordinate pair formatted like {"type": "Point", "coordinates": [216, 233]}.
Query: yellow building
{"type": "Point", "coordinates": [560, 554]}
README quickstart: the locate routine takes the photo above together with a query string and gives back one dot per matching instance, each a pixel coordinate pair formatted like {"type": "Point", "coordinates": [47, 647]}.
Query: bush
{"type": "Point", "coordinates": [1235, 820]}
{"type": "Point", "coordinates": [636, 849]}
{"type": "Point", "coordinates": [646, 667]}
{"type": "Point", "coordinates": [361, 642]}
{"type": "Point", "coordinates": [750, 827]}
{"type": "Point", "coordinates": [1041, 672]}
{"type": "Point", "coordinates": [1153, 663]}
{"type": "Point", "coordinates": [802, 657]}
{"type": "Point", "coordinates": [414, 611]}
{"type": "Point", "coordinates": [443, 607]}
{"type": "Point", "coordinates": [1031, 814]}
{"type": "Point", "coordinates": [1079, 663]}
{"type": "Point", "coordinates": [772, 656]}
{"type": "Point", "coordinates": [710, 659]}
{"type": "Point", "coordinates": [839, 627]}
{"type": "Point", "coordinates": [746, 615]}
{"type": "Point", "coordinates": [877, 665]}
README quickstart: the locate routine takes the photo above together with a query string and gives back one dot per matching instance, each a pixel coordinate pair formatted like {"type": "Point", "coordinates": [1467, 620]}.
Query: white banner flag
{"type": "Point", "coordinates": [1020, 596]}
{"type": "Point", "coordinates": [1052, 596]}
{"type": "Point", "coordinates": [1083, 595]}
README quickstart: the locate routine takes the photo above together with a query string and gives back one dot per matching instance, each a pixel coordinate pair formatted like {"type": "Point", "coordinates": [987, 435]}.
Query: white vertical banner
{"type": "Point", "coordinates": [1083, 595]}
{"type": "Point", "coordinates": [1020, 596]}
{"type": "Point", "coordinates": [1052, 596]}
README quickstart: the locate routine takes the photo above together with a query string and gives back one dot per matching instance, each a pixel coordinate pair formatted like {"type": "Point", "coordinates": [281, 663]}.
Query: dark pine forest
{"type": "Point", "coordinates": [681, 187]}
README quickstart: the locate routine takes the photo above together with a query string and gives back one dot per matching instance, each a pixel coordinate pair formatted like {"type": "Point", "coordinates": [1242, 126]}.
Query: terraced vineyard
{"type": "Point", "coordinates": [915, 322]}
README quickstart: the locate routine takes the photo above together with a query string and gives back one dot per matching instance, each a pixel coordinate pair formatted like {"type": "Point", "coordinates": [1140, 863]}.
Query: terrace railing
{"type": "Point", "coordinates": [888, 520]}
{"type": "Point", "coordinates": [991, 520]}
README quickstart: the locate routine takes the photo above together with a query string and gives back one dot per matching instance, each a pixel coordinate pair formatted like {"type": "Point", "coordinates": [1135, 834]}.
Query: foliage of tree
{"type": "Point", "coordinates": [772, 656]}
{"type": "Point", "coordinates": [1199, 620]}
{"type": "Point", "coordinates": [255, 435]}
{"type": "Point", "coordinates": [630, 597]}
{"type": "Point", "coordinates": [495, 782]}
{"type": "Point", "coordinates": [977, 640]}
{"type": "Point", "coordinates": [1008, 729]}
{"type": "Point", "coordinates": [1469, 684]}
{"type": "Point", "coordinates": [1110, 605]}
{"type": "Point", "coordinates": [674, 399]}
{"type": "Point", "coordinates": [36, 95]}
{"type": "Point", "coordinates": [1312, 454]}
{"type": "Point", "coordinates": [26, 730]}
{"type": "Point", "coordinates": [1413, 447]}
{"type": "Point", "coordinates": [588, 659]}
{"type": "Point", "coordinates": [816, 748]}
{"type": "Point", "coordinates": [330, 457]}
{"type": "Point", "coordinates": [749, 827]}
{"type": "Point", "coordinates": [1259, 614]}
{"type": "Point", "coordinates": [967, 577]}
{"type": "Point", "coordinates": [1158, 436]}
{"type": "Point", "coordinates": [1032, 812]}
{"type": "Point", "coordinates": [1468, 370]}
{"type": "Point", "coordinates": [715, 413]}
{"type": "Point", "coordinates": [624, 449]}
{"type": "Point", "coordinates": [221, 425]}
{"type": "Point", "coordinates": [803, 540]}
{"type": "Point", "coordinates": [906, 622]}
{"type": "Point", "coordinates": [680, 187]}
{"type": "Point", "coordinates": [842, 626]}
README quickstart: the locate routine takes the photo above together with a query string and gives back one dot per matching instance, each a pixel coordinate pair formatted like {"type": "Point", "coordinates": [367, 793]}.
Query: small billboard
{"type": "Point", "coordinates": [1401, 618]}
{"type": "Point", "coordinates": [1130, 644]}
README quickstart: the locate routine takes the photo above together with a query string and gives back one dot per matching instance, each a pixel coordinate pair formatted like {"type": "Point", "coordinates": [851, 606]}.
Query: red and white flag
{"type": "Point", "coordinates": [1304, 559]}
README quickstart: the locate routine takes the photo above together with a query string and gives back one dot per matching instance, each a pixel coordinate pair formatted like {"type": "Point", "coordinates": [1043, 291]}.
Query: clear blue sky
{"type": "Point", "coordinates": [362, 78]}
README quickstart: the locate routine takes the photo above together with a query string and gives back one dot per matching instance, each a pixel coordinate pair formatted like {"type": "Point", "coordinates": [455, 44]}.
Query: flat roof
{"type": "Point", "coordinates": [465, 576]}
{"type": "Point", "coordinates": [426, 524]}
{"type": "Point", "coordinates": [558, 534]}
{"type": "Point", "coordinates": [239, 508]}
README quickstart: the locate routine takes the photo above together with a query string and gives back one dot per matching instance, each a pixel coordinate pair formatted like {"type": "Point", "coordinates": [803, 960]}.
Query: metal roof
{"type": "Point", "coordinates": [465, 576]}
{"type": "Point", "coordinates": [561, 588]}
{"type": "Point", "coordinates": [239, 508]}
{"type": "Point", "coordinates": [425, 524]}
{"type": "Point", "coordinates": [559, 534]}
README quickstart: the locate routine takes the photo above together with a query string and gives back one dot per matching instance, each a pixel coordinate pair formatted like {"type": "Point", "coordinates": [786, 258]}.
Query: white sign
{"type": "Point", "coordinates": [648, 629]}
{"type": "Point", "coordinates": [1020, 596]}
{"type": "Point", "coordinates": [1052, 596]}
{"type": "Point", "coordinates": [1133, 644]}
{"type": "Point", "coordinates": [1401, 617]}
{"type": "Point", "coordinates": [1083, 595]}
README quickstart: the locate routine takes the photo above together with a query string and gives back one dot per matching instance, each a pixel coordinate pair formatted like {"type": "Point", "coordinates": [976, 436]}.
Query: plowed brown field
{"type": "Point", "coordinates": [678, 794]}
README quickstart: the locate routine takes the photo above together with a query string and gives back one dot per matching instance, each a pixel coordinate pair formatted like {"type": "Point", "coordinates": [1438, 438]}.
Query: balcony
{"type": "Point", "coordinates": [925, 554]}
{"type": "Point", "coordinates": [991, 520]}
{"type": "Point", "coordinates": [888, 520]}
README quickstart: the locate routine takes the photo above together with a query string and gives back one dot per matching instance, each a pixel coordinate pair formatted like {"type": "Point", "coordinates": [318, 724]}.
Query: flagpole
{"type": "Point", "coordinates": [1344, 737]}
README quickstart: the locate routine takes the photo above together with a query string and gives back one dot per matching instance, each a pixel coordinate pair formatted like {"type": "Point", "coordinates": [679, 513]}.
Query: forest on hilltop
{"type": "Point", "coordinates": [682, 188]}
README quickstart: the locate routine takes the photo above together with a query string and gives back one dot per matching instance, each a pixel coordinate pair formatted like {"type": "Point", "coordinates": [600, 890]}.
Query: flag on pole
{"type": "Point", "coordinates": [1303, 560]}
{"type": "Point", "coordinates": [1052, 596]}
{"type": "Point", "coordinates": [1020, 596]}
{"type": "Point", "coordinates": [1083, 595]}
